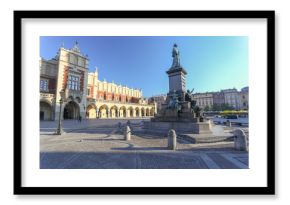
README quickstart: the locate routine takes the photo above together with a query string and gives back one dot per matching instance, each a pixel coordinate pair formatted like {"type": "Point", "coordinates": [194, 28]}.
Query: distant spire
{"type": "Point", "coordinates": [76, 47]}
{"type": "Point", "coordinates": [96, 69]}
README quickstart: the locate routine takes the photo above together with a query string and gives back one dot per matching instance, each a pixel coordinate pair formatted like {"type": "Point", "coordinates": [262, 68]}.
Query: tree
{"type": "Point", "coordinates": [216, 107]}
{"type": "Point", "coordinates": [206, 108]}
{"type": "Point", "coordinates": [226, 106]}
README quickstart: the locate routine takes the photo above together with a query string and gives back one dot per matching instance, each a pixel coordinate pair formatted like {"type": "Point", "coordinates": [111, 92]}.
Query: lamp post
{"type": "Point", "coordinates": [59, 130]}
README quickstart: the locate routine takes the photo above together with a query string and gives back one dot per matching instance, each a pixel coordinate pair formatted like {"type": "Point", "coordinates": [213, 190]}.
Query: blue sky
{"type": "Point", "coordinates": [212, 62]}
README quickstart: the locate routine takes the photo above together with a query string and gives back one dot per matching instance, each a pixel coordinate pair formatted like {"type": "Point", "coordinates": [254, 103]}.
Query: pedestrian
{"type": "Point", "coordinates": [80, 118]}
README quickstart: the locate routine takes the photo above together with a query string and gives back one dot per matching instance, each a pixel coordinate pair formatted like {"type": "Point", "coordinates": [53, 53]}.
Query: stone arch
{"type": "Point", "coordinates": [103, 111]}
{"type": "Point", "coordinates": [45, 111]}
{"type": "Point", "coordinates": [137, 111]}
{"type": "Point", "coordinates": [71, 110]}
{"type": "Point", "coordinates": [130, 112]}
{"type": "Point", "coordinates": [142, 112]}
{"type": "Point", "coordinates": [152, 111]}
{"type": "Point", "coordinates": [91, 111]}
{"type": "Point", "coordinates": [114, 111]}
{"type": "Point", "coordinates": [123, 111]}
{"type": "Point", "coordinates": [147, 113]}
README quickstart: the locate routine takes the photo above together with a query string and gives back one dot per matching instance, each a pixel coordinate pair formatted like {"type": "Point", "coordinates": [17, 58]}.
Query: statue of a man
{"type": "Point", "coordinates": [188, 95]}
{"type": "Point", "coordinates": [174, 102]}
{"type": "Point", "coordinates": [175, 55]}
{"type": "Point", "coordinates": [189, 98]}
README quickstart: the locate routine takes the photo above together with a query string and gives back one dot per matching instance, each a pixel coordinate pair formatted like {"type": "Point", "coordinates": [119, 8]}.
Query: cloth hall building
{"type": "Point", "coordinates": [83, 93]}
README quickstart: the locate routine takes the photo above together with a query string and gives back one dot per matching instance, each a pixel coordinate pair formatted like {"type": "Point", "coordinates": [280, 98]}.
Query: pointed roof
{"type": "Point", "coordinates": [76, 48]}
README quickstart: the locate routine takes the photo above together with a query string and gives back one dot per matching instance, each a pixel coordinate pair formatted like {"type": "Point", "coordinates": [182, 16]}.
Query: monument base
{"type": "Point", "coordinates": [172, 115]}
{"type": "Point", "coordinates": [179, 127]}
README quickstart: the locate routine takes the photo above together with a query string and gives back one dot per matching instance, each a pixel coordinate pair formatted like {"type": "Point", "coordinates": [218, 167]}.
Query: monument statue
{"type": "Point", "coordinates": [175, 55]}
{"type": "Point", "coordinates": [179, 111]}
{"type": "Point", "coordinates": [189, 98]}
{"type": "Point", "coordinates": [174, 103]}
{"type": "Point", "coordinates": [197, 111]}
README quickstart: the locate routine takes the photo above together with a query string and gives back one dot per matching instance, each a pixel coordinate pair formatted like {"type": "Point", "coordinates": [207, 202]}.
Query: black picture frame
{"type": "Point", "coordinates": [268, 190]}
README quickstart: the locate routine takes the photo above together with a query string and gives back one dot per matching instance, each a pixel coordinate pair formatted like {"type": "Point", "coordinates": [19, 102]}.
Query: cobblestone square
{"type": "Point", "coordinates": [98, 144]}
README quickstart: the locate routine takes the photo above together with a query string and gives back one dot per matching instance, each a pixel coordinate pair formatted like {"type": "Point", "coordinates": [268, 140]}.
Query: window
{"type": "Point", "coordinates": [73, 82]}
{"type": "Point", "coordinates": [43, 85]}
{"type": "Point", "coordinates": [73, 59]}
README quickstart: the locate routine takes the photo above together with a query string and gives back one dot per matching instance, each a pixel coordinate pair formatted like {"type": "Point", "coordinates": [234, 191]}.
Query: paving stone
{"type": "Point", "coordinates": [102, 146]}
{"type": "Point", "coordinates": [222, 162]}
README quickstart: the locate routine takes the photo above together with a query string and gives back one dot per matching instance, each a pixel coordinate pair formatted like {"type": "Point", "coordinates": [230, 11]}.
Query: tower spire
{"type": "Point", "coordinates": [76, 47]}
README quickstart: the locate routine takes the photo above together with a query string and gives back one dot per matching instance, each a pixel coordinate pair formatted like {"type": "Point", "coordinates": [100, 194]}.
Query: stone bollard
{"type": "Point", "coordinates": [127, 133]}
{"type": "Point", "coordinates": [228, 123]}
{"type": "Point", "coordinates": [171, 136]}
{"type": "Point", "coordinates": [240, 140]}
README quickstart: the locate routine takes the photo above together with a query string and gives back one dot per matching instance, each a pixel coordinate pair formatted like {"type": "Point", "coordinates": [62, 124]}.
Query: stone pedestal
{"type": "Point", "coordinates": [177, 82]}
{"type": "Point", "coordinates": [171, 136]}
{"type": "Point", "coordinates": [171, 113]}
{"type": "Point", "coordinates": [181, 127]}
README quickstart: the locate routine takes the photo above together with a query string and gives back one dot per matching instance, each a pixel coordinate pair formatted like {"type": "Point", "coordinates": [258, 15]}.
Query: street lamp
{"type": "Point", "coordinates": [59, 130]}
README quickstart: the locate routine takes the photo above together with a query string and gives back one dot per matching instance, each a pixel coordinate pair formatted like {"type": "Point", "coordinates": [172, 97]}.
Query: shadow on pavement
{"type": "Point", "coordinates": [134, 160]}
{"type": "Point", "coordinates": [140, 148]}
{"type": "Point", "coordinates": [109, 160]}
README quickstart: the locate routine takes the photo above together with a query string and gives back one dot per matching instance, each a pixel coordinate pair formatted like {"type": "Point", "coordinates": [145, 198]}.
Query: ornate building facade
{"type": "Point", "coordinates": [159, 100]}
{"type": "Point", "coordinates": [244, 98]}
{"type": "Point", "coordinates": [232, 97]}
{"type": "Point", "coordinates": [109, 100]}
{"type": "Point", "coordinates": [84, 94]}
{"type": "Point", "coordinates": [203, 99]}
{"type": "Point", "coordinates": [68, 72]}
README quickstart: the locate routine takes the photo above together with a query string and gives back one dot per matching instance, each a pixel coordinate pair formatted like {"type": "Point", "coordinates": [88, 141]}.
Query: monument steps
{"type": "Point", "coordinates": [199, 138]}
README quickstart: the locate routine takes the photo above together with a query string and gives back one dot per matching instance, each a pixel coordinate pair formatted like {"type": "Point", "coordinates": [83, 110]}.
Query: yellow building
{"type": "Point", "coordinates": [109, 100]}
{"type": "Point", "coordinates": [85, 95]}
